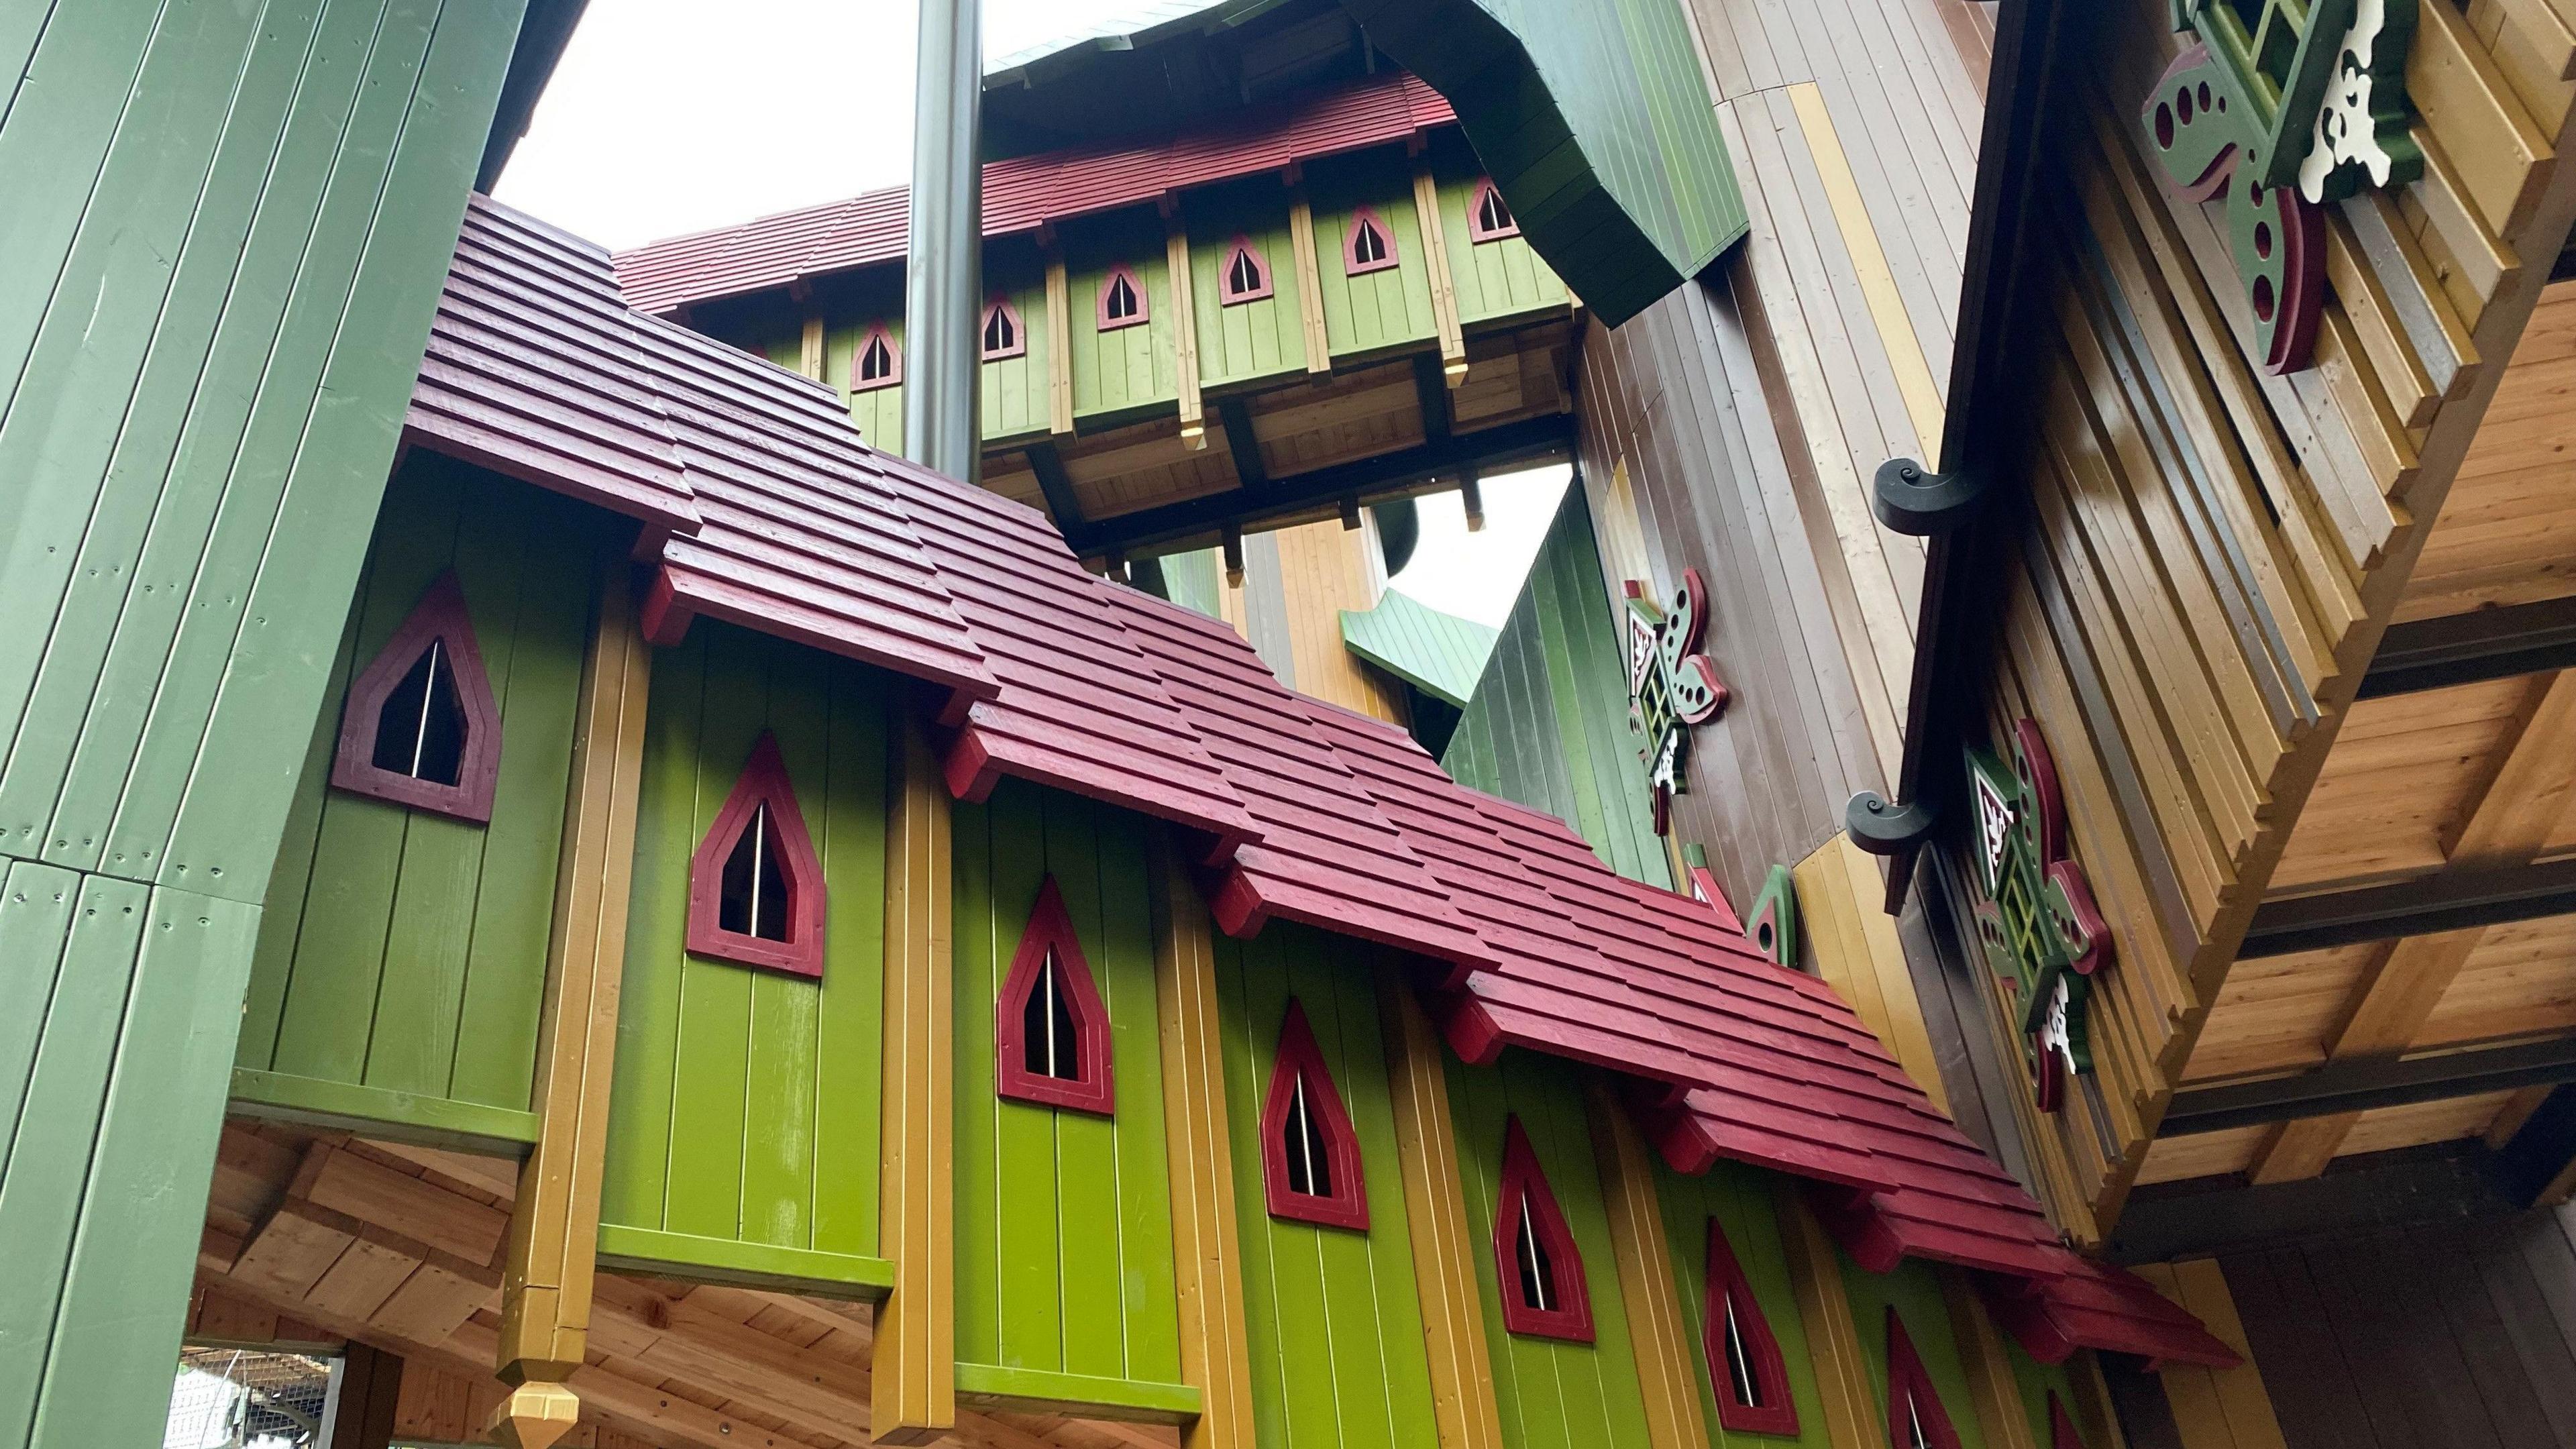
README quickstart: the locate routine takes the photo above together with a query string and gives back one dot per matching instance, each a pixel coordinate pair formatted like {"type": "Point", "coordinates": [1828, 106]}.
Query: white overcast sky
{"type": "Point", "coordinates": [673, 116]}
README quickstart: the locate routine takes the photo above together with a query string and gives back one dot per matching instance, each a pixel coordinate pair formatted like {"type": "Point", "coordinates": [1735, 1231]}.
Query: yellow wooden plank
{"type": "Point", "coordinates": [1992, 1391]}
{"type": "Point", "coordinates": [1667, 1380]}
{"type": "Point", "coordinates": [810, 357]}
{"type": "Point", "coordinates": [1444, 287]}
{"type": "Point", "coordinates": [1887, 314]}
{"type": "Point", "coordinates": [2096, 1418]}
{"type": "Point", "coordinates": [1310, 282]}
{"type": "Point", "coordinates": [1435, 1212]}
{"type": "Point", "coordinates": [1911, 1041]}
{"type": "Point", "coordinates": [1833, 1340]}
{"type": "Point", "coordinates": [914, 1392]}
{"type": "Point", "coordinates": [2238, 1394]}
{"type": "Point", "coordinates": [2502, 157]}
{"type": "Point", "coordinates": [1185, 333]}
{"type": "Point", "coordinates": [1059, 345]}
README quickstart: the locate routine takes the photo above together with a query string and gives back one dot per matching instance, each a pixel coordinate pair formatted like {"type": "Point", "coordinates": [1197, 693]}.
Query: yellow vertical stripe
{"type": "Point", "coordinates": [1877, 284]}
{"type": "Point", "coordinates": [914, 1392]}
{"type": "Point", "coordinates": [1435, 1213]}
{"type": "Point", "coordinates": [1657, 1333]}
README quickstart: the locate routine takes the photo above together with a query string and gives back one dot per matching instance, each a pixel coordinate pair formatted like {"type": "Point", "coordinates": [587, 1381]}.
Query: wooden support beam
{"type": "Point", "coordinates": [1431, 395]}
{"type": "Point", "coordinates": [914, 1398]}
{"type": "Point", "coordinates": [2445, 1184]}
{"type": "Point", "coordinates": [1843, 1379]}
{"type": "Point", "coordinates": [1059, 344]}
{"type": "Point", "coordinates": [1310, 281]}
{"type": "Point", "coordinates": [2359, 1084]}
{"type": "Point", "coordinates": [810, 358]}
{"type": "Point", "coordinates": [1216, 1355]}
{"type": "Point", "coordinates": [1658, 1334]}
{"type": "Point", "coordinates": [2467, 648]}
{"type": "Point", "coordinates": [1435, 261]}
{"type": "Point", "coordinates": [554, 1233]}
{"type": "Point", "coordinates": [1185, 331]}
{"type": "Point", "coordinates": [2446, 900]}
{"type": "Point", "coordinates": [1993, 1392]}
{"type": "Point", "coordinates": [2215, 1408]}
{"type": "Point", "coordinates": [1243, 443]}
{"type": "Point", "coordinates": [1435, 1216]}
{"type": "Point", "coordinates": [2537, 1163]}
{"type": "Point", "coordinates": [1055, 485]}
{"type": "Point", "coordinates": [362, 1402]}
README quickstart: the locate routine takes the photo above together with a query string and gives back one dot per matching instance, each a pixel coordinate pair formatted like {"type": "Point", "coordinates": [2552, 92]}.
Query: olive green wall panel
{"type": "Point", "coordinates": [1333, 1316]}
{"type": "Point", "coordinates": [1012, 392]}
{"type": "Point", "coordinates": [402, 958]}
{"type": "Point", "coordinates": [1741, 1201]}
{"type": "Point", "coordinates": [1552, 1394]}
{"type": "Point", "coordinates": [1249, 340]}
{"type": "Point", "coordinates": [1126, 370]}
{"type": "Point", "coordinates": [1914, 1291]}
{"type": "Point", "coordinates": [1375, 311]}
{"type": "Point", "coordinates": [743, 1129]}
{"type": "Point", "coordinates": [1064, 1219]}
{"type": "Point", "coordinates": [1494, 279]}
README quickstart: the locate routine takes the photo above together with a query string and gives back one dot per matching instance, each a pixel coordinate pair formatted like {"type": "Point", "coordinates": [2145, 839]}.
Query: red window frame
{"type": "Point", "coordinates": [1242, 246]}
{"type": "Point", "coordinates": [1777, 1413]}
{"type": "Point", "coordinates": [1908, 1383]}
{"type": "Point", "coordinates": [1525, 1182]}
{"type": "Point", "coordinates": [440, 615]}
{"type": "Point", "coordinates": [1477, 231]}
{"type": "Point", "coordinates": [764, 780]}
{"type": "Point", "coordinates": [1351, 263]}
{"type": "Point", "coordinates": [1050, 932]}
{"type": "Point", "coordinates": [1019, 330]}
{"type": "Point", "coordinates": [1298, 1057]}
{"type": "Point", "coordinates": [2061, 1429]}
{"type": "Point", "coordinates": [877, 332]}
{"type": "Point", "coordinates": [1136, 284]}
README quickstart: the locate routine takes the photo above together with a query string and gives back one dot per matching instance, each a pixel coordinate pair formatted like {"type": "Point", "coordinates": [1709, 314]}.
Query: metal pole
{"type": "Point", "coordinates": [943, 262]}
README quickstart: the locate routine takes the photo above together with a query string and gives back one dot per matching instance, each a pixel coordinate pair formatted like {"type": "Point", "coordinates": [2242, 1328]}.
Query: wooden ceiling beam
{"type": "Point", "coordinates": [2362, 1083]}
{"type": "Point", "coordinates": [2468, 648]}
{"type": "Point", "coordinates": [1250, 473]}
{"type": "Point", "coordinates": [2443, 901]}
{"type": "Point", "coordinates": [1055, 485]}
{"type": "Point", "coordinates": [2447, 1184]}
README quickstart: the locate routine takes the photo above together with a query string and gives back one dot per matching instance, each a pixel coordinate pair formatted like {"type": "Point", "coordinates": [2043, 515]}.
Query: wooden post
{"type": "Point", "coordinates": [1059, 294]}
{"type": "Point", "coordinates": [810, 358]}
{"type": "Point", "coordinates": [362, 1402]}
{"type": "Point", "coordinates": [1185, 332]}
{"type": "Point", "coordinates": [914, 1392]}
{"type": "Point", "coordinates": [1833, 1341]}
{"type": "Point", "coordinates": [1435, 1214]}
{"type": "Point", "coordinates": [2214, 1408]}
{"type": "Point", "coordinates": [1444, 288]}
{"type": "Point", "coordinates": [1656, 1330]}
{"type": "Point", "coordinates": [554, 1231]}
{"type": "Point", "coordinates": [1996, 1396]}
{"type": "Point", "coordinates": [2096, 1419]}
{"type": "Point", "coordinates": [1216, 1356]}
{"type": "Point", "coordinates": [1310, 280]}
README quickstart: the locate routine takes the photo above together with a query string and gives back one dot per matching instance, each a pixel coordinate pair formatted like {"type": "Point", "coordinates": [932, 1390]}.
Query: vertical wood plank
{"type": "Point", "coordinates": [1310, 282]}
{"type": "Point", "coordinates": [1185, 332]}
{"type": "Point", "coordinates": [1059, 344]}
{"type": "Point", "coordinates": [1992, 1390]}
{"type": "Point", "coordinates": [914, 1398]}
{"type": "Point", "coordinates": [1666, 1376]}
{"type": "Point", "coordinates": [1444, 287]}
{"type": "Point", "coordinates": [2214, 1408]}
{"type": "Point", "coordinates": [1842, 1373]}
{"type": "Point", "coordinates": [1444, 1262]}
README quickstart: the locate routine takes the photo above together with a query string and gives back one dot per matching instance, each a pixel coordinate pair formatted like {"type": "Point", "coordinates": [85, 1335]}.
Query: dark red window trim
{"type": "Point", "coordinates": [2061, 1429]}
{"type": "Point", "coordinates": [1351, 263]}
{"type": "Point", "coordinates": [1524, 1186]}
{"type": "Point", "coordinates": [1019, 346]}
{"type": "Point", "coordinates": [764, 780]}
{"type": "Point", "coordinates": [1477, 231]}
{"type": "Point", "coordinates": [1907, 1383]}
{"type": "Point", "coordinates": [1135, 284]}
{"type": "Point", "coordinates": [1227, 296]}
{"type": "Point", "coordinates": [440, 616]}
{"type": "Point", "coordinates": [1727, 1288]}
{"type": "Point", "coordinates": [876, 332]}
{"type": "Point", "coordinates": [1298, 1060]}
{"type": "Point", "coordinates": [1050, 933]}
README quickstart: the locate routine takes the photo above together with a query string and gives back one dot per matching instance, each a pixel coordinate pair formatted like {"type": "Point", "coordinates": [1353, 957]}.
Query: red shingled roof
{"type": "Point", "coordinates": [1026, 192]}
{"type": "Point", "coordinates": [1312, 812]}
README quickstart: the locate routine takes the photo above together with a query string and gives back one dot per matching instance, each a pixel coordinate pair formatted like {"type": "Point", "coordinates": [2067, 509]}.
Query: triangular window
{"type": "Point", "coordinates": [755, 885]}
{"type": "Point", "coordinates": [1310, 1157]}
{"type": "Point", "coordinates": [1488, 217]}
{"type": "Point", "coordinates": [1122, 298]}
{"type": "Point", "coordinates": [1744, 1362]}
{"type": "Point", "coordinates": [1246, 276]}
{"type": "Point", "coordinates": [1050, 1030]}
{"type": "Point", "coordinates": [1003, 335]}
{"type": "Point", "coordinates": [1369, 246]}
{"type": "Point", "coordinates": [420, 727]}
{"type": "Point", "coordinates": [880, 362]}
{"type": "Point", "coordinates": [1540, 1268]}
{"type": "Point", "coordinates": [2061, 1429]}
{"type": "Point", "coordinates": [1915, 1418]}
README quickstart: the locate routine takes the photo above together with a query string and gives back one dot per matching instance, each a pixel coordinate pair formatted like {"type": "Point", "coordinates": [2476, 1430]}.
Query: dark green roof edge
{"type": "Point", "coordinates": [1435, 651]}
{"type": "Point", "coordinates": [542, 37]}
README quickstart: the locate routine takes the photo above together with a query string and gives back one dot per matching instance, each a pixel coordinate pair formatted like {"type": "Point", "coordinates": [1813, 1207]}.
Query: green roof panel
{"type": "Point", "coordinates": [1439, 654]}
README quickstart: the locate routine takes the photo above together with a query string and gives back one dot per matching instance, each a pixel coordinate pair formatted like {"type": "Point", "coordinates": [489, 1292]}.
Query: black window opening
{"type": "Point", "coordinates": [1915, 1438]}
{"type": "Point", "coordinates": [420, 730]}
{"type": "Point", "coordinates": [1243, 275]}
{"type": "Point", "coordinates": [1739, 1361]}
{"type": "Point", "coordinates": [1492, 215]}
{"type": "Point", "coordinates": [1309, 1156]}
{"type": "Point", "coordinates": [1538, 1269]}
{"type": "Point", "coordinates": [1120, 305]}
{"type": "Point", "coordinates": [876, 360]}
{"type": "Point", "coordinates": [754, 901]}
{"type": "Point", "coordinates": [1001, 332]}
{"type": "Point", "coordinates": [1050, 1043]}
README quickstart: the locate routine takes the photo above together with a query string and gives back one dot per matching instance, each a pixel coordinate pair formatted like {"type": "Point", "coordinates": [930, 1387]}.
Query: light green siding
{"type": "Point", "coordinates": [1913, 1292]}
{"type": "Point", "coordinates": [1740, 1199]}
{"type": "Point", "coordinates": [1125, 372]}
{"type": "Point", "coordinates": [1375, 311]}
{"type": "Point", "coordinates": [1248, 340]}
{"type": "Point", "coordinates": [1012, 392]}
{"type": "Point", "coordinates": [1494, 279]}
{"type": "Point", "coordinates": [1064, 1219]}
{"type": "Point", "coordinates": [744, 1114]}
{"type": "Point", "coordinates": [1333, 1316]}
{"type": "Point", "coordinates": [1553, 1394]}
{"type": "Point", "coordinates": [402, 957]}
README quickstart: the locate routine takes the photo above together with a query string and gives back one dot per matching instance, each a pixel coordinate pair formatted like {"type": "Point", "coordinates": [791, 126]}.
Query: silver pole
{"type": "Point", "coordinates": [943, 264]}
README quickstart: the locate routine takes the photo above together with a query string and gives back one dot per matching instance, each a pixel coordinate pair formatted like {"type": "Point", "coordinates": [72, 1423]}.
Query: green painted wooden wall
{"type": "Point", "coordinates": [1552, 1394]}
{"type": "Point", "coordinates": [1249, 340]}
{"type": "Point", "coordinates": [216, 216]}
{"type": "Point", "coordinates": [1741, 1201]}
{"type": "Point", "coordinates": [1013, 392]}
{"type": "Point", "coordinates": [1378, 311]}
{"type": "Point", "coordinates": [402, 957]}
{"type": "Point", "coordinates": [1495, 279]}
{"type": "Point", "coordinates": [743, 1129]}
{"type": "Point", "coordinates": [1121, 374]}
{"type": "Point", "coordinates": [1064, 1219]}
{"type": "Point", "coordinates": [1914, 1291]}
{"type": "Point", "coordinates": [1548, 723]}
{"type": "Point", "coordinates": [1333, 1316]}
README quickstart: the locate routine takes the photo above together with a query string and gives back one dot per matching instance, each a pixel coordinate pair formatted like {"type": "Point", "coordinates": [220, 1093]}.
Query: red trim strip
{"type": "Point", "coordinates": [1050, 931]}
{"type": "Point", "coordinates": [1524, 1182]}
{"type": "Point", "coordinates": [764, 780]}
{"type": "Point", "coordinates": [1299, 1058]}
{"type": "Point", "coordinates": [440, 615]}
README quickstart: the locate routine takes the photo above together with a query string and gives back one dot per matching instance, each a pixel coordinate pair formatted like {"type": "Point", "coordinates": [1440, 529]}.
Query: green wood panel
{"type": "Point", "coordinates": [1741, 1201]}
{"type": "Point", "coordinates": [745, 1107]}
{"type": "Point", "coordinates": [1440, 654]}
{"type": "Point", "coordinates": [1376, 311]}
{"type": "Point", "coordinates": [1548, 723]}
{"type": "Point", "coordinates": [1551, 1393]}
{"type": "Point", "coordinates": [1127, 371]}
{"type": "Point", "coordinates": [1333, 1317]}
{"type": "Point", "coordinates": [405, 952]}
{"type": "Point", "coordinates": [1914, 1292]}
{"type": "Point", "coordinates": [1494, 279]}
{"type": "Point", "coordinates": [1064, 1228]}
{"type": "Point", "coordinates": [1012, 393]}
{"type": "Point", "coordinates": [1250, 340]}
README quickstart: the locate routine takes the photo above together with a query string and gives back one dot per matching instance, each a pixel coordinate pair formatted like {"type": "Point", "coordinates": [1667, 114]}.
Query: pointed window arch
{"type": "Point", "coordinates": [1369, 246]}
{"type": "Point", "coordinates": [1744, 1363]}
{"type": "Point", "coordinates": [1541, 1269]}
{"type": "Point", "coordinates": [1003, 334]}
{"type": "Point", "coordinates": [1245, 277]}
{"type": "Point", "coordinates": [1122, 298]}
{"type": "Point", "coordinates": [2061, 1429]}
{"type": "Point", "coordinates": [756, 889]}
{"type": "Point", "coordinates": [1489, 217]}
{"type": "Point", "coordinates": [420, 728]}
{"type": "Point", "coordinates": [878, 362]}
{"type": "Point", "coordinates": [1915, 1417]}
{"type": "Point", "coordinates": [1050, 1030]}
{"type": "Point", "coordinates": [1310, 1156]}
